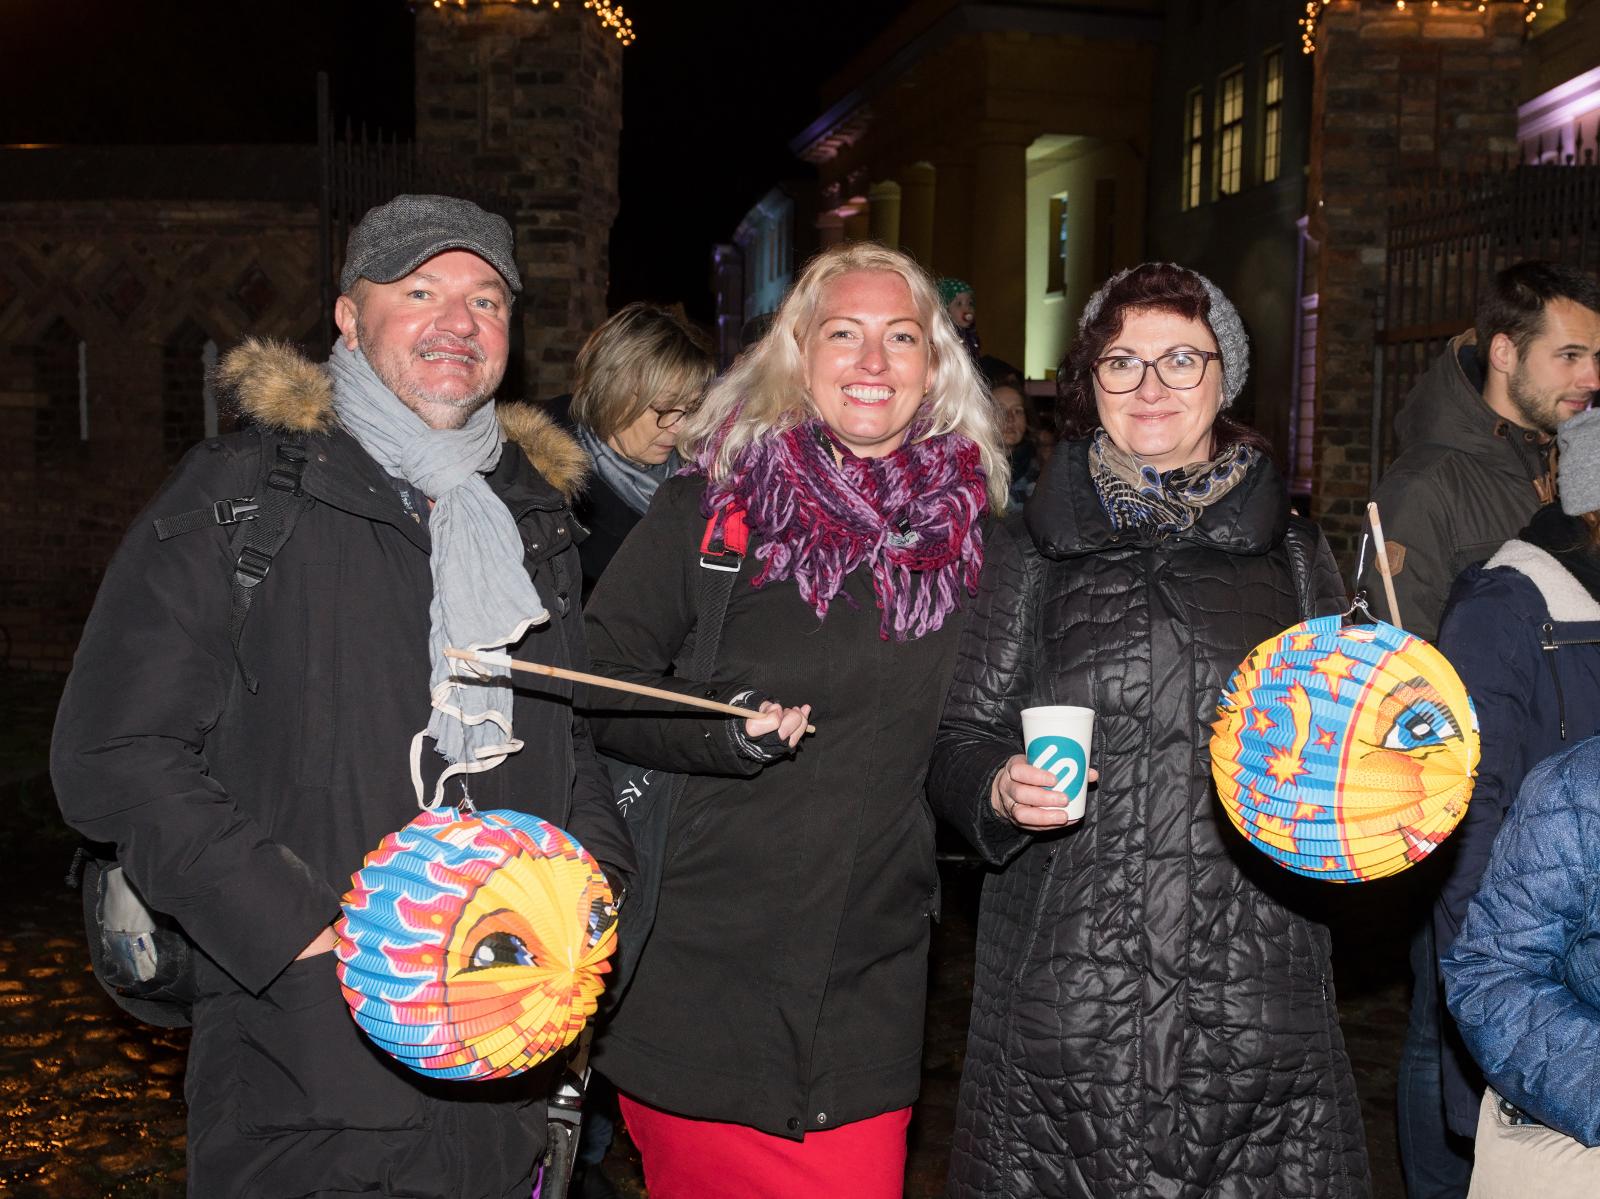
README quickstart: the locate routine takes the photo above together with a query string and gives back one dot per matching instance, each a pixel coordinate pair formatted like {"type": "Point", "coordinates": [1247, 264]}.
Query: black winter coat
{"type": "Point", "coordinates": [604, 515]}
{"type": "Point", "coordinates": [1152, 1015]}
{"type": "Point", "coordinates": [783, 985]}
{"type": "Point", "coordinates": [1461, 487]}
{"type": "Point", "coordinates": [243, 815]}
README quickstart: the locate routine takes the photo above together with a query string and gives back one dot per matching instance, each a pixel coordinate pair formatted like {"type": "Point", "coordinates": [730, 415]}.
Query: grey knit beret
{"type": "Point", "coordinates": [1226, 327]}
{"type": "Point", "coordinates": [396, 238]}
{"type": "Point", "coordinates": [1579, 482]}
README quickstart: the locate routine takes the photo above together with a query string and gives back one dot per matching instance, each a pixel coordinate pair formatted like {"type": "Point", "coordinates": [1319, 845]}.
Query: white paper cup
{"type": "Point", "coordinates": [1057, 739]}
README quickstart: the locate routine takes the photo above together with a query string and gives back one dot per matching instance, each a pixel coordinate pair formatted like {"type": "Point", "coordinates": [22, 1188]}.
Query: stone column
{"type": "Point", "coordinates": [857, 219]}
{"type": "Point", "coordinates": [1399, 95]}
{"type": "Point", "coordinates": [952, 216]}
{"type": "Point", "coordinates": [884, 213]}
{"type": "Point", "coordinates": [529, 100]}
{"type": "Point", "coordinates": [916, 211]}
{"type": "Point", "coordinates": [999, 243]}
{"type": "Point", "coordinates": [830, 229]}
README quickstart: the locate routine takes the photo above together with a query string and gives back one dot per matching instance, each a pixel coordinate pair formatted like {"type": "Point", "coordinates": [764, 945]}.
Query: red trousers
{"type": "Point", "coordinates": [686, 1158]}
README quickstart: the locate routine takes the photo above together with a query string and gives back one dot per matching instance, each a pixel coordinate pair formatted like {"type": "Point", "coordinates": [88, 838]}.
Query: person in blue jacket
{"type": "Point", "coordinates": [1523, 631]}
{"type": "Point", "coordinates": [1523, 983]}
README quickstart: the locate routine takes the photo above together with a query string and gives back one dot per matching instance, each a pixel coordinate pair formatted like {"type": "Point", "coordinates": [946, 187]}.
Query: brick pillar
{"type": "Point", "coordinates": [530, 101]}
{"type": "Point", "coordinates": [1399, 96]}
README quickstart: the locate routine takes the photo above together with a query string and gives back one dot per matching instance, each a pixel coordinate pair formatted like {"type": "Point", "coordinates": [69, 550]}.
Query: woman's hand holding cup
{"type": "Point", "coordinates": [1025, 795]}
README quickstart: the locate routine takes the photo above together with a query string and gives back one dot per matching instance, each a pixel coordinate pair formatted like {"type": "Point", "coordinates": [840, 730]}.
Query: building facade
{"type": "Point", "coordinates": [126, 271]}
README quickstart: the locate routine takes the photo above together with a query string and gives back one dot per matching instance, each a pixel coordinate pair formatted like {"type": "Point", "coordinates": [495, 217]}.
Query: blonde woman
{"type": "Point", "coordinates": [771, 1041]}
{"type": "Point", "coordinates": [639, 375]}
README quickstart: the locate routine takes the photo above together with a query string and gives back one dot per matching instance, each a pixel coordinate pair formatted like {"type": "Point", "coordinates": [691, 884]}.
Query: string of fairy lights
{"type": "Point", "coordinates": [1308, 23]}
{"type": "Point", "coordinates": [611, 16]}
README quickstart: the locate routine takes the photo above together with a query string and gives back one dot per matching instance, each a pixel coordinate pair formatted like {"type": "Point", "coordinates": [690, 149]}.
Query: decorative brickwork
{"type": "Point", "coordinates": [1400, 96]}
{"type": "Point", "coordinates": [530, 101]}
{"type": "Point", "coordinates": [123, 278]}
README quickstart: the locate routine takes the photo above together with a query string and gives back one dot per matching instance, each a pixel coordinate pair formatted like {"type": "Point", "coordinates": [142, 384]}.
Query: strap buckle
{"type": "Point", "coordinates": [231, 512]}
{"type": "Point", "coordinates": [252, 566]}
{"type": "Point", "coordinates": [723, 545]}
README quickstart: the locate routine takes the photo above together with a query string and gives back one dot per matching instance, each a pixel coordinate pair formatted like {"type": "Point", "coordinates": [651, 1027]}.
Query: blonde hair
{"type": "Point", "coordinates": [638, 355]}
{"type": "Point", "coordinates": [764, 393]}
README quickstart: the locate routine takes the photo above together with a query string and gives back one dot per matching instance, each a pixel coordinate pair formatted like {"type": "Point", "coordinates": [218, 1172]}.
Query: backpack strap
{"type": "Point", "coordinates": [722, 551]}
{"type": "Point", "coordinates": [726, 539]}
{"type": "Point", "coordinates": [262, 524]}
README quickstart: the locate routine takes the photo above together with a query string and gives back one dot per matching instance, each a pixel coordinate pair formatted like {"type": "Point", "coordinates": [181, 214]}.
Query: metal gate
{"type": "Point", "coordinates": [358, 171]}
{"type": "Point", "coordinates": [1445, 245]}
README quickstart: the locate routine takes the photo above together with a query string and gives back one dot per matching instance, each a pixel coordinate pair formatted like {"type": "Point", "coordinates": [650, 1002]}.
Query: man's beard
{"type": "Point", "coordinates": [1541, 409]}
{"type": "Point", "coordinates": [442, 410]}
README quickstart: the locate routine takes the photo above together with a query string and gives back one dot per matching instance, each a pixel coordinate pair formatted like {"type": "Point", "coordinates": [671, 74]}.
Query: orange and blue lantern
{"type": "Point", "coordinates": [1345, 752]}
{"type": "Point", "coordinates": [473, 944]}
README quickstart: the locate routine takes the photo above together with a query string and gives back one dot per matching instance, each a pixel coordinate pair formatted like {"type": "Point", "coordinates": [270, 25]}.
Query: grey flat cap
{"type": "Point", "coordinates": [1579, 464]}
{"type": "Point", "coordinates": [1232, 342]}
{"type": "Point", "coordinates": [396, 238]}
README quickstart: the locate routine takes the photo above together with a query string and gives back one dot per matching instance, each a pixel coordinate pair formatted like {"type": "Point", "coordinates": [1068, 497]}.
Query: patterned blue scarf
{"type": "Point", "coordinates": [1136, 495]}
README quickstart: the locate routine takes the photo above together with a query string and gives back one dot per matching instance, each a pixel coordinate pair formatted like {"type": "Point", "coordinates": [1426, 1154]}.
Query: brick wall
{"type": "Point", "coordinates": [530, 100]}
{"type": "Point", "coordinates": [1399, 96]}
{"type": "Point", "coordinates": [126, 279]}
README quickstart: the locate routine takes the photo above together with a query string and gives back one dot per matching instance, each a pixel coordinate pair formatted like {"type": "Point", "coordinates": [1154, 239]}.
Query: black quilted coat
{"type": "Point", "coordinates": [1153, 1013]}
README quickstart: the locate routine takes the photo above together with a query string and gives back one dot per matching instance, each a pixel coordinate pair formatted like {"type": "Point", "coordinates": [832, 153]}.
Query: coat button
{"type": "Point", "coordinates": [794, 1124]}
{"type": "Point", "coordinates": [822, 1117]}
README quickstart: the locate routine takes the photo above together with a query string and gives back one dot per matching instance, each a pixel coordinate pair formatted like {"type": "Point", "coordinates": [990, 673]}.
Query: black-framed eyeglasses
{"type": "Point", "coordinates": [667, 417]}
{"type": "Point", "coordinates": [1177, 369]}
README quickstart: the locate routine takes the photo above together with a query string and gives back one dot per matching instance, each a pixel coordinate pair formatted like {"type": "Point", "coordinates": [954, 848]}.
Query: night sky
{"type": "Point", "coordinates": [713, 92]}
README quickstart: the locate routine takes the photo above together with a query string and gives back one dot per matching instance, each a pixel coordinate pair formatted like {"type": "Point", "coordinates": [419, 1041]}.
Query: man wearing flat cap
{"type": "Point", "coordinates": [261, 695]}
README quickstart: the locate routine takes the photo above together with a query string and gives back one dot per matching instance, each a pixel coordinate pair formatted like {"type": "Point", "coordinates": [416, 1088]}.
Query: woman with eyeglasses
{"type": "Point", "coordinates": [1153, 1011]}
{"type": "Point", "coordinates": [639, 375]}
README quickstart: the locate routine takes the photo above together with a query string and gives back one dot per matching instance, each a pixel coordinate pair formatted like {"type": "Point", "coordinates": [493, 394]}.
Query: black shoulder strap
{"type": "Point", "coordinates": [716, 588]}
{"type": "Point", "coordinates": [280, 501]}
{"type": "Point", "coordinates": [262, 524]}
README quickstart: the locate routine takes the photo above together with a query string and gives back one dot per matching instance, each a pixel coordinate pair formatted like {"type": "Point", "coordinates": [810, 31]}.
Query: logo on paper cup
{"type": "Point", "coordinates": [1062, 757]}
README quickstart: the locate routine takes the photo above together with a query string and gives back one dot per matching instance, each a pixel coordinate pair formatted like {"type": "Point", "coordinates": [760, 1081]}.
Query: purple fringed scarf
{"type": "Point", "coordinates": [821, 512]}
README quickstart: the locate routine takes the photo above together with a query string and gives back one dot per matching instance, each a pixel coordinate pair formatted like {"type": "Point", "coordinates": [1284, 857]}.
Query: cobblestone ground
{"type": "Point", "coordinates": [92, 1101]}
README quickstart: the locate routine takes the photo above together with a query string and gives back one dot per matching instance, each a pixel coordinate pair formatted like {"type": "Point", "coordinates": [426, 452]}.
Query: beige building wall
{"type": "Point", "coordinates": [1098, 242]}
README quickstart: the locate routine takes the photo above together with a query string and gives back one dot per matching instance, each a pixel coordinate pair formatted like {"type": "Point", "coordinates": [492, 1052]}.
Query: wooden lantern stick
{"type": "Point", "coordinates": [1381, 549]}
{"type": "Point", "coordinates": [595, 680]}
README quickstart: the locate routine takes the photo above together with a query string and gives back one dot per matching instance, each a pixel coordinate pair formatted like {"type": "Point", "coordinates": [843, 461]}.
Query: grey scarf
{"type": "Point", "coordinates": [482, 596]}
{"type": "Point", "coordinates": [634, 484]}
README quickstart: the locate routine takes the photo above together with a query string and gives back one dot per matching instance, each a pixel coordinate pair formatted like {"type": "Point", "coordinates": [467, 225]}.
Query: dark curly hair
{"type": "Point", "coordinates": [1154, 286]}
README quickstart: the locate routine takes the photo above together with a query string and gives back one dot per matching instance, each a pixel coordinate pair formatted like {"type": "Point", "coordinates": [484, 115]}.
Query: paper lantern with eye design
{"type": "Point", "coordinates": [473, 945]}
{"type": "Point", "coordinates": [1345, 752]}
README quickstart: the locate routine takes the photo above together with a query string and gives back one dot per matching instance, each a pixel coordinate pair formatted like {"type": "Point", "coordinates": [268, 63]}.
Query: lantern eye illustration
{"type": "Point", "coordinates": [1345, 753]}
{"type": "Point", "coordinates": [1415, 716]}
{"type": "Point", "coordinates": [499, 949]}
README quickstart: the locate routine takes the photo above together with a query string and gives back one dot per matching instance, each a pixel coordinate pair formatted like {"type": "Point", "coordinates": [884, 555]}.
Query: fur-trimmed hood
{"type": "Point", "coordinates": [275, 384]}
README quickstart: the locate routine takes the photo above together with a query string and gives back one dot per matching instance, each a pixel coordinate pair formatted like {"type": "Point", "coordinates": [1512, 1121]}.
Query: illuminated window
{"type": "Point", "coordinates": [1056, 239]}
{"type": "Point", "coordinates": [1230, 132]}
{"type": "Point", "coordinates": [1272, 115]}
{"type": "Point", "coordinates": [1194, 143]}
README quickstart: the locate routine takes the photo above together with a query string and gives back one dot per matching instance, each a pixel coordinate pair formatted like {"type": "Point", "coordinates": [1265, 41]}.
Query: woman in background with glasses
{"type": "Point", "coordinates": [639, 375]}
{"type": "Point", "coordinates": [1153, 1011]}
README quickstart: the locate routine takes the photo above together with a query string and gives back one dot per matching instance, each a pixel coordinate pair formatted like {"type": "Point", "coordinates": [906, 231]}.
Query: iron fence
{"type": "Point", "coordinates": [358, 170]}
{"type": "Point", "coordinates": [1445, 243]}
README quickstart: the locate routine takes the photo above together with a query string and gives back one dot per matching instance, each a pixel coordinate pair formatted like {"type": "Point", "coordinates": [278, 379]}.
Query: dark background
{"type": "Point", "coordinates": [712, 93]}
